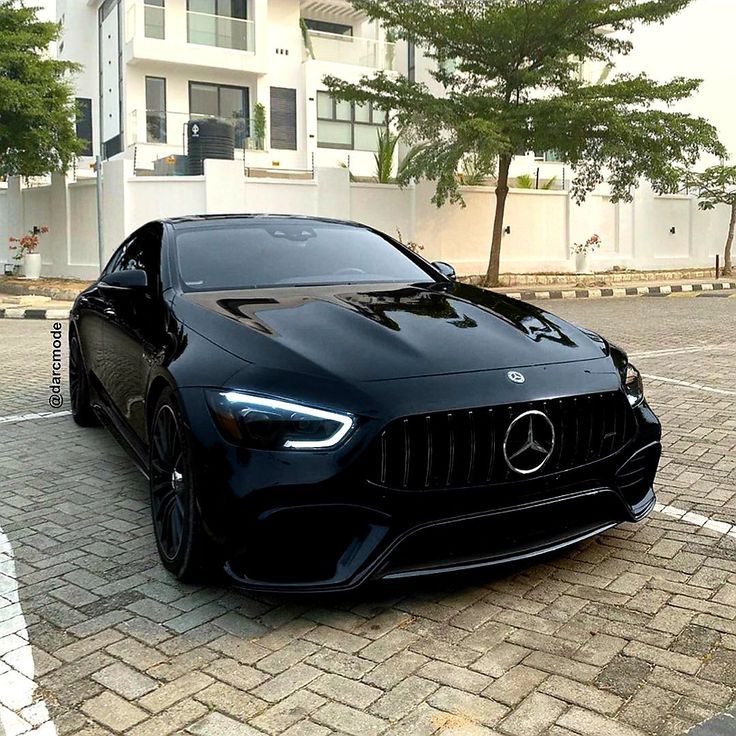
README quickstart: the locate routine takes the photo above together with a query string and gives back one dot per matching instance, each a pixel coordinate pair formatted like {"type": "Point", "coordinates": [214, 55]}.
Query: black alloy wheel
{"type": "Point", "coordinates": [180, 538]}
{"type": "Point", "coordinates": [82, 411]}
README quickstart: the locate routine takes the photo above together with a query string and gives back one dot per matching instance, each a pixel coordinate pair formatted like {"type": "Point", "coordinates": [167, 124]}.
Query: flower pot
{"type": "Point", "coordinates": [32, 265]}
{"type": "Point", "coordinates": [582, 262]}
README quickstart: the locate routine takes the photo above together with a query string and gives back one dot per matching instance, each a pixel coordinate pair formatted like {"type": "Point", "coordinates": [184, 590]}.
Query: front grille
{"type": "Point", "coordinates": [465, 448]}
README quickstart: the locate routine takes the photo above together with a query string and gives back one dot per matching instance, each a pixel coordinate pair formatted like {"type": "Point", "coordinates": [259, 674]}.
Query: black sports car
{"type": "Point", "coordinates": [316, 406]}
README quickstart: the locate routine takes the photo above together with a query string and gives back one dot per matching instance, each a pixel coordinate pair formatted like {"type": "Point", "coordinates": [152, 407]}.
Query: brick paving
{"type": "Point", "coordinates": [629, 634]}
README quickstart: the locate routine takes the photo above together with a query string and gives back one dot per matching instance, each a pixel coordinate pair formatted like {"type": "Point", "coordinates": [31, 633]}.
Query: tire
{"type": "Point", "coordinates": [82, 411]}
{"type": "Point", "coordinates": [182, 543]}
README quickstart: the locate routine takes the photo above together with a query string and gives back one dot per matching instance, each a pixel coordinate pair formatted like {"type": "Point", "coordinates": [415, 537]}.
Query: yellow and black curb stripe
{"type": "Point", "coordinates": [663, 290]}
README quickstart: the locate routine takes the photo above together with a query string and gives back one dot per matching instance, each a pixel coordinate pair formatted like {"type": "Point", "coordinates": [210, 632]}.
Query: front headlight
{"type": "Point", "coordinates": [633, 385]}
{"type": "Point", "coordinates": [272, 424]}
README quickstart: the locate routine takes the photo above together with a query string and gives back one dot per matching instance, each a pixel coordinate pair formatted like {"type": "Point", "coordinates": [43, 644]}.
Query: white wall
{"type": "Point", "coordinates": [543, 224]}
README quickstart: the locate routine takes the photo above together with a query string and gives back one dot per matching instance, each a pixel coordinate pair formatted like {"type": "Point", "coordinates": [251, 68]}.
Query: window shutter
{"type": "Point", "coordinates": [283, 118]}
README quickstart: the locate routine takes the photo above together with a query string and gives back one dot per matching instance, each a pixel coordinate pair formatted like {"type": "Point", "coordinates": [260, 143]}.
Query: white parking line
{"type": "Point", "coordinates": [683, 351]}
{"type": "Point", "coordinates": [686, 384]}
{"type": "Point", "coordinates": [21, 712]}
{"type": "Point", "coordinates": [33, 415]}
{"type": "Point", "coordinates": [690, 517]}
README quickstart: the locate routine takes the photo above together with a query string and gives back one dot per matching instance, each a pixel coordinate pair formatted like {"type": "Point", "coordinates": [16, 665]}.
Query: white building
{"type": "Point", "coordinates": [149, 66]}
{"type": "Point", "coordinates": [152, 65]}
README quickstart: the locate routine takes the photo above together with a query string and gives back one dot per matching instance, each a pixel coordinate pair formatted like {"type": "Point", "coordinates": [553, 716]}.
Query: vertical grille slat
{"type": "Point", "coordinates": [407, 452]}
{"type": "Point", "coordinates": [428, 426]}
{"type": "Point", "coordinates": [471, 458]}
{"type": "Point", "coordinates": [492, 451]}
{"type": "Point", "coordinates": [384, 458]}
{"type": "Point", "coordinates": [464, 448]}
{"type": "Point", "coordinates": [451, 449]}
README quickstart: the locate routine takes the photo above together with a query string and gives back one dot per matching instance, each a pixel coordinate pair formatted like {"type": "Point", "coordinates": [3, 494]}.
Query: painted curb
{"type": "Point", "coordinates": [34, 313]}
{"type": "Point", "coordinates": [602, 293]}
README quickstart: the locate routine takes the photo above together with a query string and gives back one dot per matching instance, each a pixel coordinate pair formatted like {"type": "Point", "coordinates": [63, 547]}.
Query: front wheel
{"type": "Point", "coordinates": [182, 543]}
{"type": "Point", "coordinates": [82, 411]}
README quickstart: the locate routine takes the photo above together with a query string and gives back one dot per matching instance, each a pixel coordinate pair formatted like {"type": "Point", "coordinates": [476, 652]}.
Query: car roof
{"type": "Point", "coordinates": [201, 219]}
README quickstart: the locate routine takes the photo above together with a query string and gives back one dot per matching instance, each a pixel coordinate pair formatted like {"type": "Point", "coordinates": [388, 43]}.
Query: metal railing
{"type": "Point", "coordinates": [221, 31]}
{"type": "Point", "coordinates": [368, 52]}
{"type": "Point", "coordinates": [158, 135]}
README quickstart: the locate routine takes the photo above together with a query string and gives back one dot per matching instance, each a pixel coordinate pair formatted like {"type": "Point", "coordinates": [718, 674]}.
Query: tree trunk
{"type": "Point", "coordinates": [502, 192]}
{"type": "Point", "coordinates": [727, 266]}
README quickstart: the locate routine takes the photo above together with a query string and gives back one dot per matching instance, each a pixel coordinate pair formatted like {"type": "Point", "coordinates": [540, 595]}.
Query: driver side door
{"type": "Point", "coordinates": [134, 331]}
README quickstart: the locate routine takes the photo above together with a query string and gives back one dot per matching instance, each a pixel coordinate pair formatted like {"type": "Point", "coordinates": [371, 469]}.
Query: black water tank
{"type": "Point", "coordinates": [209, 138]}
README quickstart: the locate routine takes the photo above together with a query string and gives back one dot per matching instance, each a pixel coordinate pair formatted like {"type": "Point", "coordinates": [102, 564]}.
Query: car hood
{"type": "Point", "coordinates": [383, 331]}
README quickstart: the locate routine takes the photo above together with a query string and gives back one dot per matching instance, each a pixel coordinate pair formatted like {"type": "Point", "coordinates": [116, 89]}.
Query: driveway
{"type": "Point", "coordinates": [633, 632]}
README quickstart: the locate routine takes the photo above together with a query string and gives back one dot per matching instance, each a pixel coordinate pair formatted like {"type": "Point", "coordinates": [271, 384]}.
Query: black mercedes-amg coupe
{"type": "Point", "coordinates": [317, 406]}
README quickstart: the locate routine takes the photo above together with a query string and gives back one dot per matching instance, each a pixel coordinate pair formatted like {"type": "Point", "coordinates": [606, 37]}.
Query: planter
{"type": "Point", "coordinates": [32, 265]}
{"type": "Point", "coordinates": [582, 263]}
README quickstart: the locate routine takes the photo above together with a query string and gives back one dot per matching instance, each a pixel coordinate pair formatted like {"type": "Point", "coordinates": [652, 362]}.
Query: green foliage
{"type": "Point", "coordinates": [259, 125]}
{"type": "Point", "coordinates": [514, 84]}
{"type": "Point", "coordinates": [524, 181]}
{"type": "Point", "coordinates": [306, 38]}
{"type": "Point", "coordinates": [37, 107]}
{"type": "Point", "coordinates": [550, 184]}
{"type": "Point", "coordinates": [716, 185]}
{"type": "Point", "coordinates": [384, 155]}
{"type": "Point", "coordinates": [475, 170]}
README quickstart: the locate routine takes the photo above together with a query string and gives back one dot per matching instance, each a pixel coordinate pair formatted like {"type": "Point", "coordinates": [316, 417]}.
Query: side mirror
{"type": "Point", "coordinates": [445, 269]}
{"type": "Point", "coordinates": [135, 280]}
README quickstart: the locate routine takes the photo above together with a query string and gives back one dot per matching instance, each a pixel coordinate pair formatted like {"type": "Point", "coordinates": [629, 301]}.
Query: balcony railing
{"type": "Point", "coordinates": [159, 133]}
{"type": "Point", "coordinates": [220, 30]}
{"type": "Point", "coordinates": [368, 52]}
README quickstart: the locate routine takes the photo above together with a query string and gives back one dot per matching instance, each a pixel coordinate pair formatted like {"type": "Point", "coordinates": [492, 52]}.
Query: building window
{"type": "Point", "coordinates": [348, 125]}
{"type": "Point", "coordinates": [222, 101]}
{"type": "Point", "coordinates": [283, 118]}
{"type": "Point", "coordinates": [84, 124]}
{"type": "Point", "coordinates": [155, 110]}
{"type": "Point", "coordinates": [154, 18]}
{"type": "Point", "coordinates": [548, 156]}
{"type": "Point", "coordinates": [322, 26]}
{"type": "Point", "coordinates": [222, 23]}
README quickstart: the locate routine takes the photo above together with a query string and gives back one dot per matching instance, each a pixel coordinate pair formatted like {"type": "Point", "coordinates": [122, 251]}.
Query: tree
{"type": "Point", "coordinates": [509, 72]}
{"type": "Point", "coordinates": [37, 107]}
{"type": "Point", "coordinates": [716, 185]}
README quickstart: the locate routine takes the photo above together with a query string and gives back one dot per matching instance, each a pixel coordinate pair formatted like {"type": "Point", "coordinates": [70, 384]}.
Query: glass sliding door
{"type": "Point", "coordinates": [155, 110]}
{"type": "Point", "coordinates": [222, 101]}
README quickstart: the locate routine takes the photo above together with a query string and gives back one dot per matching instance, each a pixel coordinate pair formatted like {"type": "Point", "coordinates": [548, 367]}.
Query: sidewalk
{"type": "Point", "coordinates": [633, 288]}
{"type": "Point", "coordinates": [33, 307]}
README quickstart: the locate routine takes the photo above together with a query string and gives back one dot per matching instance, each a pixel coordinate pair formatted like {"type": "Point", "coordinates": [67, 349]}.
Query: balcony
{"type": "Point", "coordinates": [176, 36]}
{"type": "Point", "coordinates": [221, 31]}
{"type": "Point", "coordinates": [354, 50]}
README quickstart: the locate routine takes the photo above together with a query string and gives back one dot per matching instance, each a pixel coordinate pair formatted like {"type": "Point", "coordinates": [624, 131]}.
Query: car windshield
{"type": "Point", "coordinates": [248, 255]}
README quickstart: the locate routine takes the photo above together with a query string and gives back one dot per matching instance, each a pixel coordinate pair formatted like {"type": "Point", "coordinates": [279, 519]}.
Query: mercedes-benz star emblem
{"type": "Point", "coordinates": [516, 377]}
{"type": "Point", "coordinates": [529, 442]}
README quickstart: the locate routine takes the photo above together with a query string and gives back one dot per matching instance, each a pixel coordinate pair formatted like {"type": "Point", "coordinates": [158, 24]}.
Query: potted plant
{"type": "Point", "coordinates": [582, 252]}
{"type": "Point", "coordinates": [27, 247]}
{"type": "Point", "coordinates": [259, 126]}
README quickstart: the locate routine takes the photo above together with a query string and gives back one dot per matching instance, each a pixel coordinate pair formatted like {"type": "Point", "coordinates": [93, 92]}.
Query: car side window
{"type": "Point", "coordinates": [143, 252]}
{"type": "Point", "coordinates": [114, 262]}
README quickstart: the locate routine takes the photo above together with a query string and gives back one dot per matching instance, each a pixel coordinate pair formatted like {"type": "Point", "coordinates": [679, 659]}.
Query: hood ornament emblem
{"type": "Point", "coordinates": [516, 377]}
{"type": "Point", "coordinates": [529, 442]}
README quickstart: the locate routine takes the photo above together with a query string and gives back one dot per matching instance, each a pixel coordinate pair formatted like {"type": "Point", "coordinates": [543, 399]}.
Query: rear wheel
{"type": "Point", "coordinates": [82, 411]}
{"type": "Point", "coordinates": [181, 540]}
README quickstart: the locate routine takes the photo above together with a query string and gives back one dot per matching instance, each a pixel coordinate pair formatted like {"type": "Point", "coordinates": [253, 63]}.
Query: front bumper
{"type": "Point", "coordinates": [312, 522]}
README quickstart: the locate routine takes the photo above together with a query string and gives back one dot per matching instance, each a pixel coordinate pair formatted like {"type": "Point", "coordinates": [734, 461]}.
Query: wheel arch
{"type": "Point", "coordinates": [158, 385]}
